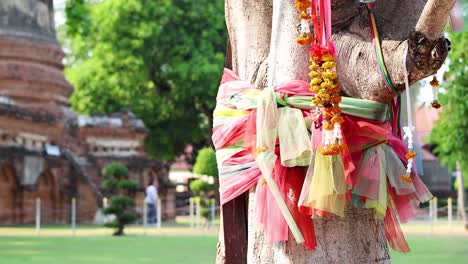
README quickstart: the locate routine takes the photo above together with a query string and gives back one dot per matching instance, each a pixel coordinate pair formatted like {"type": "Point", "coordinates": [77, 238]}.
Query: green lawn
{"type": "Point", "coordinates": [183, 249]}
{"type": "Point", "coordinates": [115, 250]}
{"type": "Point", "coordinates": [434, 250]}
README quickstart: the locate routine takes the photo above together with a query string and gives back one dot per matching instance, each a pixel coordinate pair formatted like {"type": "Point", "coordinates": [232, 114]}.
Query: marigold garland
{"type": "Point", "coordinates": [323, 80]}
{"type": "Point", "coordinates": [327, 95]}
{"type": "Point", "coordinates": [302, 5]}
{"type": "Point", "coordinates": [305, 38]}
{"type": "Point", "coordinates": [406, 178]}
{"type": "Point", "coordinates": [410, 156]}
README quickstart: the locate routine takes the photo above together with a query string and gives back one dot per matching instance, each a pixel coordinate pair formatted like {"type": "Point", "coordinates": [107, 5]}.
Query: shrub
{"type": "Point", "coordinates": [200, 187]}
{"type": "Point", "coordinates": [205, 163]}
{"type": "Point", "coordinates": [120, 205]}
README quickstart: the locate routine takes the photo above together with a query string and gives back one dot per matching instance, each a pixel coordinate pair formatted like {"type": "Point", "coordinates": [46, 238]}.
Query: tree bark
{"type": "Point", "coordinates": [262, 34]}
{"type": "Point", "coordinates": [356, 238]}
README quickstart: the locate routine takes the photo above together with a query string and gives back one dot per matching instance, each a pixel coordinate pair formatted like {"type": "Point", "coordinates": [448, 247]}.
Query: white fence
{"type": "Point", "coordinates": [194, 215]}
{"type": "Point", "coordinates": [194, 219]}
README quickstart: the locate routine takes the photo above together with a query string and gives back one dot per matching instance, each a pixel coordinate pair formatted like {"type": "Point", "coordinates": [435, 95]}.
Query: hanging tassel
{"type": "Point", "coordinates": [408, 130]}
{"type": "Point", "coordinates": [435, 92]}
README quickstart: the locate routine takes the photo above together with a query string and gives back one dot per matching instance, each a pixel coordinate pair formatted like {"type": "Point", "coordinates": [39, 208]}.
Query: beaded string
{"type": "Point", "coordinates": [408, 130]}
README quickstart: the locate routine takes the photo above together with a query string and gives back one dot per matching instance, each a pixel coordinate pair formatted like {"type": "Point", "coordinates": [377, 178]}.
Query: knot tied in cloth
{"type": "Point", "coordinates": [269, 134]}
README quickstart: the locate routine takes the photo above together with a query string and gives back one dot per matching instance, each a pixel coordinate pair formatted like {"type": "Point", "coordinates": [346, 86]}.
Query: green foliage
{"type": "Point", "coordinates": [450, 133]}
{"type": "Point", "coordinates": [162, 59]}
{"type": "Point", "coordinates": [77, 22]}
{"type": "Point", "coordinates": [200, 187]}
{"type": "Point", "coordinates": [115, 170]}
{"type": "Point", "coordinates": [465, 182]}
{"type": "Point", "coordinates": [110, 184]}
{"type": "Point", "coordinates": [120, 205]}
{"type": "Point", "coordinates": [205, 163]}
{"type": "Point", "coordinates": [205, 205]}
{"type": "Point", "coordinates": [129, 185]}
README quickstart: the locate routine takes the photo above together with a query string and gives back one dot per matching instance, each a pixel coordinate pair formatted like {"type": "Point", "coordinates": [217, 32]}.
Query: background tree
{"type": "Point", "coordinates": [201, 191]}
{"type": "Point", "coordinates": [450, 133]}
{"type": "Point", "coordinates": [162, 59]}
{"type": "Point", "coordinates": [122, 191]}
{"type": "Point", "coordinates": [268, 28]}
{"type": "Point", "coordinates": [205, 164]}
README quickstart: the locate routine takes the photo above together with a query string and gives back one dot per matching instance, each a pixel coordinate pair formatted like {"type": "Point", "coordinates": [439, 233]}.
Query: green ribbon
{"type": "Point", "coordinates": [352, 106]}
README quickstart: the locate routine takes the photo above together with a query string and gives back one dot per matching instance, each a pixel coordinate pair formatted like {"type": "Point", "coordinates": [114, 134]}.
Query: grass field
{"type": "Point", "coordinates": [178, 244]}
{"type": "Point", "coordinates": [183, 249]}
{"type": "Point", "coordinates": [112, 250]}
{"type": "Point", "coordinates": [434, 250]}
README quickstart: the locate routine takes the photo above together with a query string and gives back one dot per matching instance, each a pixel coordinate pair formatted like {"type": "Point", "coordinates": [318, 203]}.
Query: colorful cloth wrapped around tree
{"type": "Point", "coordinates": [267, 139]}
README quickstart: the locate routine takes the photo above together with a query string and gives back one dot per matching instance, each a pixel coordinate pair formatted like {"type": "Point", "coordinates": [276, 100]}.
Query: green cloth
{"type": "Point", "coordinates": [352, 106]}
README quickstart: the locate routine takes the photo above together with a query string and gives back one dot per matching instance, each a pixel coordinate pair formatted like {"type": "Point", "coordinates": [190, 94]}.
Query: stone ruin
{"type": "Point", "coordinates": [47, 151]}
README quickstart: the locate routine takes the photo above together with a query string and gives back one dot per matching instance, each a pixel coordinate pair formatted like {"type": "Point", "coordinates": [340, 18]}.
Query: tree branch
{"type": "Point", "coordinates": [425, 56]}
{"type": "Point", "coordinates": [344, 11]}
{"type": "Point", "coordinates": [434, 17]}
{"type": "Point", "coordinates": [397, 22]}
{"type": "Point", "coordinates": [428, 49]}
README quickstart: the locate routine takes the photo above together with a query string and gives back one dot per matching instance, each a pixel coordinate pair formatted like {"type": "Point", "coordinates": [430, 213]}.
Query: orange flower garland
{"type": "Point", "coordinates": [323, 80]}
{"type": "Point", "coordinates": [406, 178]}
{"type": "Point", "coordinates": [305, 38]}
{"type": "Point", "coordinates": [410, 155]}
{"type": "Point", "coordinates": [327, 95]}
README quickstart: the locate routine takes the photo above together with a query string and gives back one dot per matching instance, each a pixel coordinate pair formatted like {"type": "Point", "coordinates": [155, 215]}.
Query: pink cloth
{"type": "Point", "coordinates": [294, 87]}
{"type": "Point", "coordinates": [359, 134]}
{"type": "Point", "coordinates": [230, 133]}
{"type": "Point", "coordinates": [293, 186]}
{"type": "Point", "coordinates": [393, 232]}
{"type": "Point", "coordinates": [244, 130]}
{"type": "Point", "coordinates": [268, 213]}
{"type": "Point", "coordinates": [230, 85]}
{"type": "Point", "coordinates": [233, 186]}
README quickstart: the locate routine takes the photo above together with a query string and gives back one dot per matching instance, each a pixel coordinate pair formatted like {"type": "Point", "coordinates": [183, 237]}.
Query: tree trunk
{"type": "Point", "coordinates": [264, 52]}
{"type": "Point", "coordinates": [356, 238]}
{"type": "Point", "coordinates": [119, 231]}
{"type": "Point", "coordinates": [461, 196]}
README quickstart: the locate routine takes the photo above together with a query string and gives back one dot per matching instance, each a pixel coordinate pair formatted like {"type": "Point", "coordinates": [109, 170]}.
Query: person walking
{"type": "Point", "coordinates": [151, 199]}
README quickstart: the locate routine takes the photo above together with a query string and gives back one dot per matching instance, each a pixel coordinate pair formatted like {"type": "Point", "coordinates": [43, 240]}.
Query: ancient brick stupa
{"type": "Point", "coordinates": [46, 150]}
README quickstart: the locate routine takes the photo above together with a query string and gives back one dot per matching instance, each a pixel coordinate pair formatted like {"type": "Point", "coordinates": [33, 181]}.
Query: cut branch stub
{"type": "Point", "coordinates": [427, 55]}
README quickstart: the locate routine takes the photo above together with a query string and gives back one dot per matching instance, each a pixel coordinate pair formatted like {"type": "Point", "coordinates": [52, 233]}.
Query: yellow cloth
{"type": "Point", "coordinates": [293, 137]}
{"type": "Point", "coordinates": [328, 186]}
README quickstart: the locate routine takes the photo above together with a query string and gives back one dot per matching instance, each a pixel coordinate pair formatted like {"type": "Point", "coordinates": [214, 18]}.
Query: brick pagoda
{"type": "Point", "coordinates": [46, 150]}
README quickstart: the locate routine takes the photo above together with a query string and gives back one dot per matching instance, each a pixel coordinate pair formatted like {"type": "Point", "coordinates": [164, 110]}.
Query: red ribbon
{"type": "Point", "coordinates": [321, 19]}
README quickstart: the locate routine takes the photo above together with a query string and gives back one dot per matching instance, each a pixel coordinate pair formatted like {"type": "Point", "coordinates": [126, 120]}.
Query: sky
{"type": "Point", "coordinates": [59, 8]}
